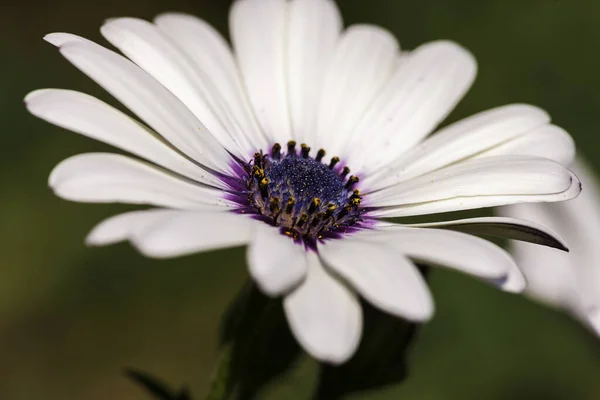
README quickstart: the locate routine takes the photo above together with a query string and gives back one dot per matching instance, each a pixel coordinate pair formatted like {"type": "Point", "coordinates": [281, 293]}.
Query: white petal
{"type": "Point", "coordinates": [59, 39]}
{"type": "Point", "coordinates": [122, 226]}
{"type": "Point", "coordinates": [504, 227]}
{"type": "Point", "coordinates": [324, 316]}
{"type": "Point", "coordinates": [211, 54]}
{"type": "Point", "coordinates": [469, 203]}
{"type": "Point", "coordinates": [477, 183]}
{"type": "Point", "coordinates": [570, 280]}
{"type": "Point", "coordinates": [456, 250]}
{"type": "Point", "coordinates": [514, 282]}
{"type": "Point", "coordinates": [108, 178]}
{"type": "Point", "coordinates": [89, 116]}
{"type": "Point", "coordinates": [276, 263]}
{"type": "Point", "coordinates": [364, 59]}
{"type": "Point", "coordinates": [583, 212]}
{"type": "Point", "coordinates": [462, 140]}
{"type": "Point", "coordinates": [459, 251]}
{"type": "Point", "coordinates": [186, 233]}
{"type": "Point", "coordinates": [548, 141]}
{"type": "Point", "coordinates": [593, 319]}
{"type": "Point", "coordinates": [148, 47]}
{"type": "Point", "coordinates": [314, 29]}
{"type": "Point", "coordinates": [382, 275]}
{"type": "Point", "coordinates": [551, 275]}
{"type": "Point", "coordinates": [429, 83]}
{"type": "Point", "coordinates": [172, 233]}
{"type": "Point", "coordinates": [258, 31]}
{"type": "Point", "coordinates": [148, 99]}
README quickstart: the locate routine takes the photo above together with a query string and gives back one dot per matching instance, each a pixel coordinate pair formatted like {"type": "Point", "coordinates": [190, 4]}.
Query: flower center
{"type": "Point", "coordinates": [308, 199]}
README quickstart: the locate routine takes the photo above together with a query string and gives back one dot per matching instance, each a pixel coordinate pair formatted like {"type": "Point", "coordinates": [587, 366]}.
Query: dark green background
{"type": "Point", "coordinates": [72, 317]}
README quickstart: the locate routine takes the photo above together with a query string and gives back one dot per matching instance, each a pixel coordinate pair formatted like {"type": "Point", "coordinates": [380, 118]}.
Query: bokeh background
{"type": "Point", "coordinates": [72, 317]}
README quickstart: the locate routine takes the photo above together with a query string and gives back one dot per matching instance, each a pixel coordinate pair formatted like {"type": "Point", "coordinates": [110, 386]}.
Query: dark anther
{"type": "Point", "coordinates": [344, 212]}
{"type": "Point", "coordinates": [305, 150]}
{"type": "Point", "coordinates": [264, 187]}
{"type": "Point", "coordinates": [355, 194]}
{"type": "Point", "coordinates": [258, 172]}
{"type": "Point", "coordinates": [345, 172]}
{"type": "Point", "coordinates": [316, 202]}
{"type": "Point", "coordinates": [291, 148]}
{"type": "Point", "coordinates": [320, 155]}
{"type": "Point", "coordinates": [276, 151]}
{"type": "Point", "coordinates": [334, 160]}
{"type": "Point", "coordinates": [290, 233]}
{"type": "Point", "coordinates": [353, 180]}
{"type": "Point", "coordinates": [274, 204]}
{"type": "Point", "coordinates": [289, 205]}
{"type": "Point", "coordinates": [316, 219]}
{"type": "Point", "coordinates": [258, 159]}
{"type": "Point", "coordinates": [330, 209]}
{"type": "Point", "coordinates": [354, 202]}
{"type": "Point", "coordinates": [302, 220]}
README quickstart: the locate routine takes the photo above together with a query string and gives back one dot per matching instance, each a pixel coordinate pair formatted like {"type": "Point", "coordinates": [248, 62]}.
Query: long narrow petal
{"type": "Point", "coordinates": [504, 227]}
{"type": "Point", "coordinates": [593, 319]}
{"type": "Point", "coordinates": [211, 54]}
{"type": "Point", "coordinates": [429, 83]}
{"type": "Point", "coordinates": [276, 263]}
{"type": "Point", "coordinates": [121, 227]}
{"type": "Point", "coordinates": [172, 233]}
{"type": "Point", "coordinates": [364, 59]}
{"type": "Point", "coordinates": [469, 203]}
{"type": "Point", "coordinates": [481, 181]}
{"type": "Point", "coordinates": [549, 141]}
{"type": "Point", "coordinates": [325, 317]}
{"type": "Point", "coordinates": [259, 33]}
{"type": "Point", "coordinates": [148, 47]}
{"type": "Point", "coordinates": [456, 250]}
{"type": "Point", "coordinates": [112, 178]}
{"type": "Point", "coordinates": [462, 140]}
{"type": "Point", "coordinates": [91, 117]}
{"type": "Point", "coordinates": [59, 39]}
{"type": "Point", "coordinates": [513, 282]}
{"type": "Point", "coordinates": [382, 275]}
{"type": "Point", "coordinates": [551, 275]}
{"type": "Point", "coordinates": [314, 29]}
{"type": "Point", "coordinates": [146, 97]}
{"type": "Point", "coordinates": [570, 280]}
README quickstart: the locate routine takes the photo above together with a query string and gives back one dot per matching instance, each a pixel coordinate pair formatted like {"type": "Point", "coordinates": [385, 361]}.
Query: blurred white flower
{"type": "Point", "coordinates": [223, 161]}
{"type": "Point", "coordinates": [568, 280]}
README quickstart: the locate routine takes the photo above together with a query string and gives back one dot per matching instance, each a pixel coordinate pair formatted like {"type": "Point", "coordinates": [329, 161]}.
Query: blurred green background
{"type": "Point", "coordinates": [71, 317]}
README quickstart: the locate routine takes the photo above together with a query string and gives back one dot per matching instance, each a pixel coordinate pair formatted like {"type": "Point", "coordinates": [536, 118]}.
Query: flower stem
{"type": "Point", "coordinates": [223, 373]}
{"type": "Point", "coordinates": [219, 385]}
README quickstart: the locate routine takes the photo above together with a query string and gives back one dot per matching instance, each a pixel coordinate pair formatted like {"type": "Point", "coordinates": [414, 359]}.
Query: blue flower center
{"type": "Point", "coordinates": [309, 200]}
{"type": "Point", "coordinates": [305, 179]}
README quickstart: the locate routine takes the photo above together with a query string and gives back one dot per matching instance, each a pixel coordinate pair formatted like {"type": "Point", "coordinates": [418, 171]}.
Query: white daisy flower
{"type": "Point", "coordinates": [568, 280]}
{"type": "Point", "coordinates": [297, 142]}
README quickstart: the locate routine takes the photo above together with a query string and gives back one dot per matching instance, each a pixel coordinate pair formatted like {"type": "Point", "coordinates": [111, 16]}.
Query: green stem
{"type": "Point", "coordinates": [219, 385]}
{"type": "Point", "coordinates": [221, 380]}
